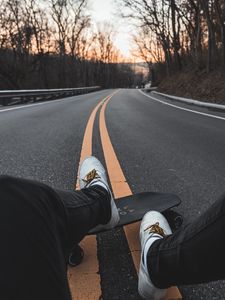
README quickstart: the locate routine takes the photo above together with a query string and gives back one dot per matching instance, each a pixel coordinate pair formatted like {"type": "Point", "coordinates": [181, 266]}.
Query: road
{"type": "Point", "coordinates": [159, 147]}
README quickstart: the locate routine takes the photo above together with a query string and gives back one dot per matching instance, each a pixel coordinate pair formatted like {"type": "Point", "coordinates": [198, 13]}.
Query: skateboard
{"type": "Point", "coordinates": [132, 209]}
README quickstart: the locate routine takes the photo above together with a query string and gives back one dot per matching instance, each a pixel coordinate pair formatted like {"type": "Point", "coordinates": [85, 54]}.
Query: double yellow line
{"type": "Point", "coordinates": [85, 279]}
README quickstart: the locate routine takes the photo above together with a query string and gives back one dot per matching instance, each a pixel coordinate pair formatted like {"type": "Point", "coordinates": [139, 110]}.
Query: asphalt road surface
{"type": "Point", "coordinates": [160, 148]}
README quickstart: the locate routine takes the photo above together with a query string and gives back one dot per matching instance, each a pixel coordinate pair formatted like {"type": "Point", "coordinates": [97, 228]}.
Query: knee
{"type": "Point", "coordinates": [6, 181]}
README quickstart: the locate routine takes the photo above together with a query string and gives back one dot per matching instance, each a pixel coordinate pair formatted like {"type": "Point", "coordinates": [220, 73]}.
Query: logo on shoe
{"type": "Point", "coordinates": [155, 228]}
{"type": "Point", "coordinates": [91, 176]}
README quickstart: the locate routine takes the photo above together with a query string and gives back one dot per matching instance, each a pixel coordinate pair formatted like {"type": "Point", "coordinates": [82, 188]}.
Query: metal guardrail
{"type": "Point", "coordinates": [10, 97]}
{"type": "Point", "coordinates": [193, 102]}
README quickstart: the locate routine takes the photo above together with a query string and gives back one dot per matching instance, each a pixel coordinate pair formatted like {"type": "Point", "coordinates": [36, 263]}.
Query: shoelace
{"type": "Point", "coordinates": [90, 176]}
{"type": "Point", "coordinates": [155, 228]}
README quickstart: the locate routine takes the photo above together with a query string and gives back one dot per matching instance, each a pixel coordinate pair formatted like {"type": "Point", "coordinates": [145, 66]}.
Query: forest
{"type": "Point", "coordinates": [180, 32]}
{"type": "Point", "coordinates": [48, 44]}
{"type": "Point", "coordinates": [51, 44]}
{"type": "Point", "coordinates": [182, 41]}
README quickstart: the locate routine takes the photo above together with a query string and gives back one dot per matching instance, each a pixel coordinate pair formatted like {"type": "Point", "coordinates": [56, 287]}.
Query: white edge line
{"type": "Point", "coordinates": [29, 105]}
{"type": "Point", "coordinates": [191, 101]}
{"type": "Point", "coordinates": [36, 104]}
{"type": "Point", "coordinates": [182, 108]}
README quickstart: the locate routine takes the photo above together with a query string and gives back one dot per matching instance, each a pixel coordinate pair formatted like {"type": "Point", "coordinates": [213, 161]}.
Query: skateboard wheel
{"type": "Point", "coordinates": [76, 256]}
{"type": "Point", "coordinates": [178, 220]}
{"type": "Point", "coordinates": [174, 219]}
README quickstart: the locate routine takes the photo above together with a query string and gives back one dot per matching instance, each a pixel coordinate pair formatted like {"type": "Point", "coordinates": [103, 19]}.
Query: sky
{"type": "Point", "coordinates": [107, 11]}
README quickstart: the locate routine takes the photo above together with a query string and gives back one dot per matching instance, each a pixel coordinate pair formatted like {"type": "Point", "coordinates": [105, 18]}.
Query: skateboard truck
{"type": "Point", "coordinates": [174, 219]}
{"type": "Point", "coordinates": [76, 256]}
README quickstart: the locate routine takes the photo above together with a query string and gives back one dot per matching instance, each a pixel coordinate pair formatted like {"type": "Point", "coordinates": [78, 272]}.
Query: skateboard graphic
{"type": "Point", "coordinates": [132, 209]}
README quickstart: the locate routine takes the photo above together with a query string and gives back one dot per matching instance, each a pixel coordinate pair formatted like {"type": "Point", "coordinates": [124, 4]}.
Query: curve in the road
{"type": "Point", "coordinates": [183, 108]}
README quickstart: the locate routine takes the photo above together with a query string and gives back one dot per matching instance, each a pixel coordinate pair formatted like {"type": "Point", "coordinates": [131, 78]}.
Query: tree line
{"type": "Point", "coordinates": [175, 34]}
{"type": "Point", "coordinates": [51, 44]}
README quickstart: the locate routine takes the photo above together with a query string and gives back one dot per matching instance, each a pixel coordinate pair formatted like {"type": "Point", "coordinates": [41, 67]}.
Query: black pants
{"type": "Point", "coordinates": [38, 227]}
{"type": "Point", "coordinates": [194, 254]}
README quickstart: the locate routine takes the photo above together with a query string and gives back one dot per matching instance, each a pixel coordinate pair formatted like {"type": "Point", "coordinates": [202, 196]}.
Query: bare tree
{"type": "Point", "coordinates": [154, 15]}
{"type": "Point", "coordinates": [79, 21]}
{"type": "Point", "coordinates": [220, 10]}
{"type": "Point", "coordinates": [148, 49]}
{"type": "Point", "coordinates": [175, 24]}
{"type": "Point", "coordinates": [207, 7]}
{"type": "Point", "coordinates": [53, 46]}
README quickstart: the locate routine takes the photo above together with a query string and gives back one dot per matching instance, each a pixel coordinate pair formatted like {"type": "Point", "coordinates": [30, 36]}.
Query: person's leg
{"type": "Point", "coordinates": [93, 205]}
{"type": "Point", "coordinates": [193, 254]}
{"type": "Point", "coordinates": [92, 173]}
{"type": "Point", "coordinates": [39, 225]}
{"type": "Point", "coordinates": [154, 226]}
{"type": "Point", "coordinates": [85, 209]}
{"type": "Point", "coordinates": [33, 235]}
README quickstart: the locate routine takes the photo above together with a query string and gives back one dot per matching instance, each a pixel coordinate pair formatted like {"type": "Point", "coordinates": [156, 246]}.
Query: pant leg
{"type": "Point", "coordinates": [85, 209]}
{"type": "Point", "coordinates": [193, 254]}
{"type": "Point", "coordinates": [33, 235]}
{"type": "Point", "coordinates": [38, 225]}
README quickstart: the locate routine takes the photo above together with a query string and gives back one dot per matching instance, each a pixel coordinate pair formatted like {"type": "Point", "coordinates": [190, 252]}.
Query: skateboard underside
{"type": "Point", "coordinates": [132, 208]}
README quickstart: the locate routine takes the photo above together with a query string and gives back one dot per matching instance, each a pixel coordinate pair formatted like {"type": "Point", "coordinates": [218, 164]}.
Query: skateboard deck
{"type": "Point", "coordinates": [132, 208]}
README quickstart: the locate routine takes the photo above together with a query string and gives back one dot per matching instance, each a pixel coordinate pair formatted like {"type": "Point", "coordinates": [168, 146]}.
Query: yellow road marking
{"type": "Point", "coordinates": [121, 188]}
{"type": "Point", "coordinates": [84, 280]}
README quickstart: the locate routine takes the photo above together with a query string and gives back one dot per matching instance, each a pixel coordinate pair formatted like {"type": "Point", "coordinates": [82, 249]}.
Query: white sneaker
{"type": "Point", "coordinates": [154, 226]}
{"type": "Point", "coordinates": [93, 173]}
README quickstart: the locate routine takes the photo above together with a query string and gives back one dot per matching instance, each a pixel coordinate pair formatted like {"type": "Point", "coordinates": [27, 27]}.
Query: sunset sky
{"type": "Point", "coordinates": [107, 11]}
